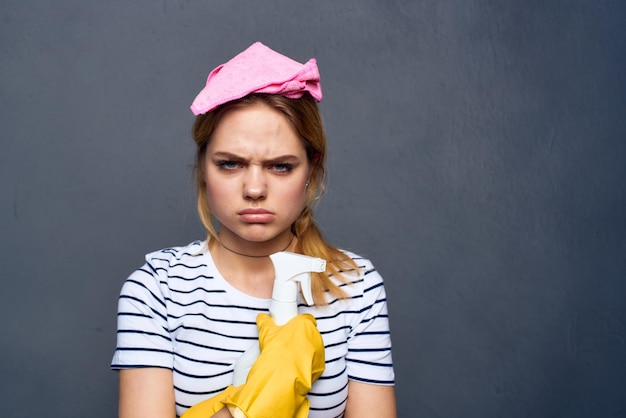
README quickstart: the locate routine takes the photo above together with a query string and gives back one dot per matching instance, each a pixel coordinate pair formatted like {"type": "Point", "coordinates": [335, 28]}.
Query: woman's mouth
{"type": "Point", "coordinates": [256, 215]}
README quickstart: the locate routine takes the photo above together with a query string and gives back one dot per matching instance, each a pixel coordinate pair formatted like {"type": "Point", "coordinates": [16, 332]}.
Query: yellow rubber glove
{"type": "Point", "coordinates": [209, 407]}
{"type": "Point", "coordinates": [292, 358]}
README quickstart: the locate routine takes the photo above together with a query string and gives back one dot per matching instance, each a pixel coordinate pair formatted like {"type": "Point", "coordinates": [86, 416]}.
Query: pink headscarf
{"type": "Point", "coordinates": [258, 69]}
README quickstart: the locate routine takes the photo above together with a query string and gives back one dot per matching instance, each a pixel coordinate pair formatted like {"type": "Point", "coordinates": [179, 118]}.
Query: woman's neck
{"type": "Point", "coordinates": [248, 268]}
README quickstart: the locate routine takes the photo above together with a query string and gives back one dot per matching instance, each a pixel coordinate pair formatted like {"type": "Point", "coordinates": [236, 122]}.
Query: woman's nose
{"type": "Point", "coordinates": [255, 185]}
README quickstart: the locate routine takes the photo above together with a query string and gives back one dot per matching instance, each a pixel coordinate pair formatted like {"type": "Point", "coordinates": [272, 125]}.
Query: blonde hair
{"type": "Point", "coordinates": [304, 116]}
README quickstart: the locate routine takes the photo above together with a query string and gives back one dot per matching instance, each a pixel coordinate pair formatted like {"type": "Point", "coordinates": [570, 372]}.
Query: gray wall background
{"type": "Point", "coordinates": [477, 156]}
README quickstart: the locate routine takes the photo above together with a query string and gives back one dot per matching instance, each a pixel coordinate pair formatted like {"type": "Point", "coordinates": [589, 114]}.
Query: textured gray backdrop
{"type": "Point", "coordinates": [478, 156]}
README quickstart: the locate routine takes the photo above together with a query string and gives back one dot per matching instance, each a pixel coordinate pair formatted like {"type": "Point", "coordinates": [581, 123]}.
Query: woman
{"type": "Point", "coordinates": [189, 313]}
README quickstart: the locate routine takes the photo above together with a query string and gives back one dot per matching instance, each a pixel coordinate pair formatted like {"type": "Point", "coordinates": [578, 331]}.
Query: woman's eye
{"type": "Point", "coordinates": [228, 165]}
{"type": "Point", "coordinates": [282, 167]}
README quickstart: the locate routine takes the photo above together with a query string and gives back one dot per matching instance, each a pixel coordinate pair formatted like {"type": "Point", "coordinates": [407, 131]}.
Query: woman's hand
{"type": "Point", "coordinates": [292, 358]}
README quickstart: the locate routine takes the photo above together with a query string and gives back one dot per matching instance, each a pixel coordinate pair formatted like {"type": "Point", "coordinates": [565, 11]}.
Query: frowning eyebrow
{"type": "Point", "coordinates": [221, 155]}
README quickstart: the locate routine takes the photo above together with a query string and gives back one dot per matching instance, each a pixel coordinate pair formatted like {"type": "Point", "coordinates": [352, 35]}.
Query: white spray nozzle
{"type": "Point", "coordinates": [291, 268]}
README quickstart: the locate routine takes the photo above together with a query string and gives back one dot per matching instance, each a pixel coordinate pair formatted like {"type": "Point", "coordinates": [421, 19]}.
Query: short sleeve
{"type": "Point", "coordinates": [143, 336]}
{"type": "Point", "coordinates": [369, 343]}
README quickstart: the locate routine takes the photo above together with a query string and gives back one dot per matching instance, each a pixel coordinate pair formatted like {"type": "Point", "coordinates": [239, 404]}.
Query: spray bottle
{"type": "Point", "coordinates": [289, 269]}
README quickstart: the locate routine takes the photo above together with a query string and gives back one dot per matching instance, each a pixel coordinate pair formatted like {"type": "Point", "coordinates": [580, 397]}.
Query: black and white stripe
{"type": "Point", "coordinates": [178, 312]}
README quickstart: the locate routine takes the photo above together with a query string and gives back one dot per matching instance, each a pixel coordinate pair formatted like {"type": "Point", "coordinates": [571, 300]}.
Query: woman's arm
{"type": "Point", "coordinates": [149, 392]}
{"type": "Point", "coordinates": [222, 413]}
{"type": "Point", "coordinates": [365, 400]}
{"type": "Point", "coordinates": [146, 392]}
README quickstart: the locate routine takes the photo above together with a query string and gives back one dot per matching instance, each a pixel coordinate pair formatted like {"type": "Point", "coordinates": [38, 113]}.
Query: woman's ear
{"type": "Point", "coordinates": [315, 160]}
{"type": "Point", "coordinates": [200, 168]}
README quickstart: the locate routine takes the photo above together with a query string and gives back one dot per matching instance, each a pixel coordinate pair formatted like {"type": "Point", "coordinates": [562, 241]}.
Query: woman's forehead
{"type": "Point", "coordinates": [257, 127]}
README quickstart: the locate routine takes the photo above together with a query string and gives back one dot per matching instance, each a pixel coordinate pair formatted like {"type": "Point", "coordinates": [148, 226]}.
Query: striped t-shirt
{"type": "Point", "coordinates": [178, 312]}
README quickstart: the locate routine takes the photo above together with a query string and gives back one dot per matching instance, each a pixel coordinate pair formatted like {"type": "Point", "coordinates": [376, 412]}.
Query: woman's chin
{"type": "Point", "coordinates": [257, 235]}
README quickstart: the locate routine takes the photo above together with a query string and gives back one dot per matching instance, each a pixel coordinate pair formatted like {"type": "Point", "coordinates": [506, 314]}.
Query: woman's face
{"type": "Point", "coordinates": [256, 170]}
